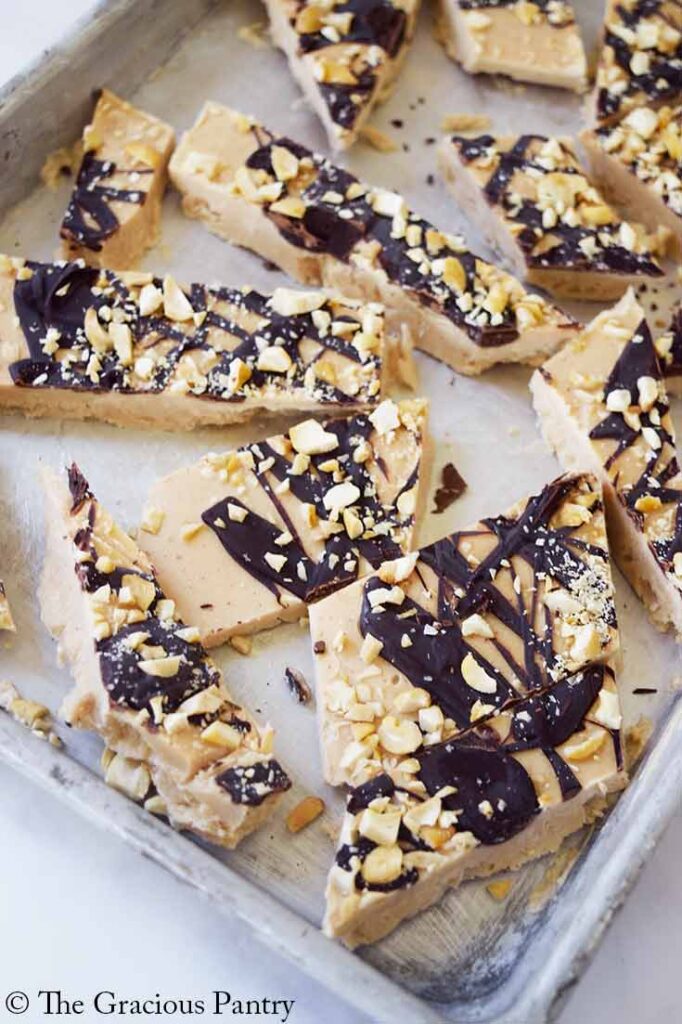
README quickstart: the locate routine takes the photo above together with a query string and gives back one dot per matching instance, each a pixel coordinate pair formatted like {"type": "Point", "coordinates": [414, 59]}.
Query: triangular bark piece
{"type": "Point", "coordinates": [344, 56]}
{"type": "Point", "coordinates": [143, 680]}
{"type": "Point", "coordinates": [246, 539]}
{"type": "Point", "coordinates": [320, 224]}
{"type": "Point", "coordinates": [603, 406]}
{"type": "Point", "coordinates": [535, 204]}
{"type": "Point", "coordinates": [467, 694]}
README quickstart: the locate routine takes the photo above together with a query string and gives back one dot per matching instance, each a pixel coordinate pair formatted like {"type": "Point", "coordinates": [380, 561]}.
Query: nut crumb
{"type": "Point", "coordinates": [242, 644]}
{"type": "Point", "coordinates": [636, 739]}
{"type": "Point", "coordinates": [304, 813]}
{"type": "Point", "coordinates": [465, 123]}
{"type": "Point", "coordinates": [377, 139]}
{"type": "Point", "coordinates": [499, 890]}
{"type": "Point", "coordinates": [255, 34]}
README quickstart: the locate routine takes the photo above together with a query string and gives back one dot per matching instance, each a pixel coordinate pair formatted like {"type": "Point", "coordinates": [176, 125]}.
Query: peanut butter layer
{"type": "Point", "coordinates": [344, 54]}
{"type": "Point", "coordinates": [6, 620]}
{"type": "Point", "coordinates": [143, 680]}
{"type": "Point", "coordinates": [114, 212]}
{"type": "Point", "coordinates": [532, 42]}
{"type": "Point", "coordinates": [133, 349]}
{"type": "Point", "coordinates": [444, 638]}
{"type": "Point", "coordinates": [508, 790]}
{"type": "Point", "coordinates": [603, 406]}
{"type": "Point", "coordinates": [638, 164]}
{"type": "Point", "coordinates": [641, 58]}
{"type": "Point", "coordinates": [540, 211]}
{"type": "Point", "coordinates": [319, 223]}
{"type": "Point", "coordinates": [246, 539]}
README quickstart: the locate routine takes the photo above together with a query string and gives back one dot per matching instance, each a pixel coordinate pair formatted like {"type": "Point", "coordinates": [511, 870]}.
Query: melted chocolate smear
{"type": "Point", "coordinates": [78, 488]}
{"type": "Point", "coordinates": [89, 219]}
{"type": "Point", "coordinates": [129, 686]}
{"type": "Point", "coordinates": [452, 487]}
{"type": "Point", "coordinates": [253, 783]}
{"type": "Point", "coordinates": [481, 774]}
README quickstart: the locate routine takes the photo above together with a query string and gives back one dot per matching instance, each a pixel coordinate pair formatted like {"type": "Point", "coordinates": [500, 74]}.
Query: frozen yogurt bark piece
{"type": "Point", "coordinates": [638, 165]}
{"type": "Point", "coordinates": [344, 54]}
{"type": "Point", "coordinates": [603, 407]}
{"type": "Point", "coordinates": [142, 679]}
{"type": "Point", "coordinates": [641, 58]}
{"type": "Point", "coordinates": [320, 224]}
{"type": "Point", "coordinates": [532, 42]}
{"type": "Point", "coordinates": [245, 539]}
{"type": "Point", "coordinates": [441, 639]}
{"type": "Point", "coordinates": [114, 211]}
{"type": "Point", "coordinates": [550, 224]}
{"type": "Point", "coordinates": [135, 350]}
{"type": "Point", "coordinates": [508, 790]}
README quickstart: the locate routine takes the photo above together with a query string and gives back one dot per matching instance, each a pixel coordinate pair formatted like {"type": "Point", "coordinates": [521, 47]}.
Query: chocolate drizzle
{"type": "Point", "coordinates": [437, 648]}
{"type": "Point", "coordinates": [660, 477]}
{"type": "Point", "coordinates": [575, 246]}
{"type": "Point", "coordinates": [253, 541]}
{"type": "Point", "coordinates": [662, 81]}
{"type": "Point", "coordinates": [52, 301]}
{"type": "Point", "coordinates": [251, 784]}
{"type": "Point", "coordinates": [131, 687]}
{"type": "Point", "coordinates": [90, 219]}
{"type": "Point", "coordinates": [372, 24]}
{"type": "Point", "coordinates": [340, 226]}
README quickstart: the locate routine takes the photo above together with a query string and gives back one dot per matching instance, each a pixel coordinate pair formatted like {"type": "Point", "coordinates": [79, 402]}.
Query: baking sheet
{"type": "Point", "coordinates": [465, 952]}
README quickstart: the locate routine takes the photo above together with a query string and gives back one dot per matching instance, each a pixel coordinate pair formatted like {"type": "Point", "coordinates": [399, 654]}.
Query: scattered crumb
{"type": "Point", "coordinates": [636, 739]}
{"type": "Point", "coordinates": [304, 813]}
{"type": "Point", "coordinates": [377, 139]}
{"type": "Point", "coordinates": [243, 644]}
{"type": "Point", "coordinates": [452, 487]}
{"type": "Point", "coordinates": [61, 163]}
{"type": "Point", "coordinates": [29, 713]}
{"type": "Point", "coordinates": [500, 890]}
{"type": "Point", "coordinates": [298, 687]}
{"type": "Point", "coordinates": [255, 34]}
{"type": "Point", "coordinates": [465, 123]}
{"type": "Point", "coordinates": [553, 878]}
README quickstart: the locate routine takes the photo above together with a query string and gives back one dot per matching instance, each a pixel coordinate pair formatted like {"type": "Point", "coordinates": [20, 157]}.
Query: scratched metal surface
{"type": "Point", "coordinates": [476, 959]}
